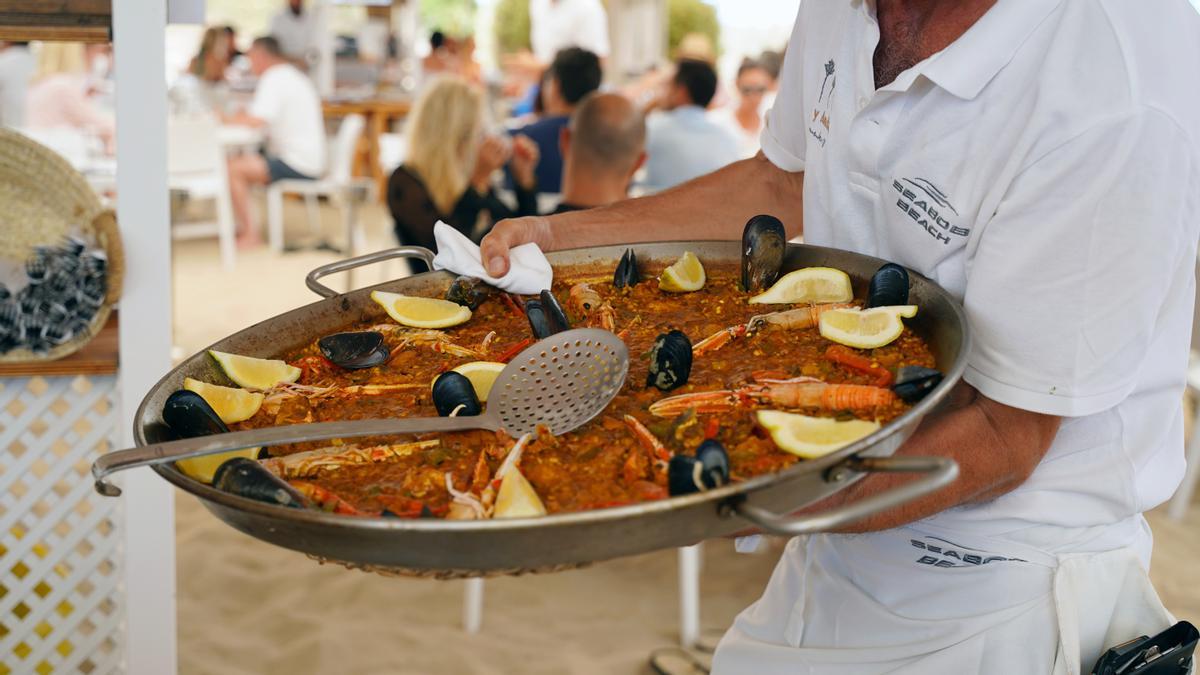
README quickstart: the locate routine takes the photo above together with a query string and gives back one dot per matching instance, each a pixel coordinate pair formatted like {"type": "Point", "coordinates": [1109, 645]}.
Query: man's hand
{"type": "Point", "coordinates": [997, 447]}
{"type": "Point", "coordinates": [510, 233]}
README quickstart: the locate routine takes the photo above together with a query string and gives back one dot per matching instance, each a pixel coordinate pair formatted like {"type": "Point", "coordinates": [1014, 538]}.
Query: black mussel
{"type": "Point", "coordinates": [914, 382]}
{"type": "Point", "coordinates": [889, 287]}
{"type": "Point", "coordinates": [558, 318]}
{"type": "Point", "coordinates": [539, 320]}
{"type": "Point", "coordinates": [354, 350]}
{"type": "Point", "coordinates": [94, 264]}
{"type": "Point", "coordinates": [708, 469]}
{"type": "Point", "coordinates": [5, 294]}
{"type": "Point", "coordinates": [9, 313]}
{"type": "Point", "coordinates": [764, 243]}
{"type": "Point", "coordinates": [454, 395]}
{"type": "Point", "coordinates": [35, 268]}
{"type": "Point", "coordinates": [247, 478]}
{"type": "Point", "coordinates": [189, 415]}
{"type": "Point", "coordinates": [715, 462]}
{"type": "Point", "coordinates": [670, 361]}
{"type": "Point", "coordinates": [469, 292]}
{"type": "Point", "coordinates": [74, 246]}
{"type": "Point", "coordinates": [627, 273]}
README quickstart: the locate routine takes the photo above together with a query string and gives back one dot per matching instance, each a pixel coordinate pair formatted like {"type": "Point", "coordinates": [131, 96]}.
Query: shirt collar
{"type": "Point", "coordinates": [966, 66]}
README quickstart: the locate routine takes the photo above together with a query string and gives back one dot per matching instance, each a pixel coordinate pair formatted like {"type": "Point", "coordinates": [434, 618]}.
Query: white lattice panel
{"type": "Point", "coordinates": [60, 542]}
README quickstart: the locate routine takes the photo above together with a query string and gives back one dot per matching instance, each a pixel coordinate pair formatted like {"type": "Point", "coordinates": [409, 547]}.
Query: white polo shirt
{"type": "Point", "coordinates": [288, 102]}
{"type": "Point", "coordinates": [1045, 169]}
{"type": "Point", "coordinates": [557, 24]}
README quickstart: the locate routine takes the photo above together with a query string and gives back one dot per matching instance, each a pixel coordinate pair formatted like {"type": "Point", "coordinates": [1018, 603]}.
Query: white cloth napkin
{"type": "Point", "coordinates": [528, 272]}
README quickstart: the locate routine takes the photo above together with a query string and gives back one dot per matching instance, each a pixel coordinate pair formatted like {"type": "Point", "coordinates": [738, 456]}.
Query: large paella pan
{"type": "Point", "coordinates": [640, 476]}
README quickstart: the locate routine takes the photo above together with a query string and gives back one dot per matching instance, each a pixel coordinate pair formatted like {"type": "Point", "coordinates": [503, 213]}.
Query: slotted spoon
{"type": "Point", "coordinates": [562, 381]}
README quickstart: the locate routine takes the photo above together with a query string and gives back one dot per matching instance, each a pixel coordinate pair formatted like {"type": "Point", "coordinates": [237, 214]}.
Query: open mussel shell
{"type": "Point", "coordinates": [889, 287]}
{"type": "Point", "coordinates": [190, 416]}
{"type": "Point", "coordinates": [764, 243]}
{"type": "Point", "coordinates": [247, 478]}
{"type": "Point", "coordinates": [454, 396]}
{"type": "Point", "coordinates": [670, 361]}
{"type": "Point", "coordinates": [354, 350]}
{"type": "Point", "coordinates": [708, 469]}
{"type": "Point", "coordinates": [554, 312]}
{"type": "Point", "coordinates": [914, 382]}
{"type": "Point", "coordinates": [469, 292]}
{"type": "Point", "coordinates": [627, 273]}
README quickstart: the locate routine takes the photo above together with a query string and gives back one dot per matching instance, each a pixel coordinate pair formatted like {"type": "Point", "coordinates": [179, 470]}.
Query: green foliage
{"type": "Point", "coordinates": [455, 18]}
{"type": "Point", "coordinates": [512, 25]}
{"type": "Point", "coordinates": [691, 16]}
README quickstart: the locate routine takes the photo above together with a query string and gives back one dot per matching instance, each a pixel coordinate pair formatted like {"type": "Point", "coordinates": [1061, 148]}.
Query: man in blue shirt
{"type": "Point", "coordinates": [573, 74]}
{"type": "Point", "coordinates": [681, 142]}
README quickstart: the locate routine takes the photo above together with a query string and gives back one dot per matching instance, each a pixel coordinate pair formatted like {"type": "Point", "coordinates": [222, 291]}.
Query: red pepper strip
{"type": "Point", "coordinates": [712, 427]}
{"type": "Point", "coordinates": [512, 304]}
{"type": "Point", "coordinates": [854, 361]}
{"type": "Point", "coordinates": [514, 350]}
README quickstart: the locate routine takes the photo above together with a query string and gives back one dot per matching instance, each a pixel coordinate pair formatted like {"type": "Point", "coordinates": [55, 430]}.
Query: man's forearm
{"type": "Point", "coordinates": [996, 448]}
{"type": "Point", "coordinates": [715, 206]}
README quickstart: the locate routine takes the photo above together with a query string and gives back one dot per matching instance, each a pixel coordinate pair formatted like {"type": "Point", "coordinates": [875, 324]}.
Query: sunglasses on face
{"type": "Point", "coordinates": [752, 91]}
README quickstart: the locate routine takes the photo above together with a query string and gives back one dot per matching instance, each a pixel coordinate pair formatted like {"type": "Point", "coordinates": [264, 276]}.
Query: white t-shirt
{"type": "Point", "coordinates": [558, 24]}
{"type": "Point", "coordinates": [287, 101]}
{"type": "Point", "coordinates": [296, 34]}
{"type": "Point", "coordinates": [1045, 169]}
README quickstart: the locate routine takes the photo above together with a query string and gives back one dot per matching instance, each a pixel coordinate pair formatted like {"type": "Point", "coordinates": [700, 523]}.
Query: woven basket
{"type": "Point", "coordinates": [45, 199]}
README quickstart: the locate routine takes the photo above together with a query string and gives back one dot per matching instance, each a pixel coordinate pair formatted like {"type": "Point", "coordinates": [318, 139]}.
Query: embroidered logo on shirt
{"type": "Point", "coordinates": [820, 114]}
{"type": "Point", "coordinates": [928, 207]}
{"type": "Point", "coordinates": [952, 556]}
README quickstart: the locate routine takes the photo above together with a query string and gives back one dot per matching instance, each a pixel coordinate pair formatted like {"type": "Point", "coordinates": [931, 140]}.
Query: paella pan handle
{"type": "Point", "coordinates": [939, 472]}
{"type": "Point", "coordinates": [369, 259]}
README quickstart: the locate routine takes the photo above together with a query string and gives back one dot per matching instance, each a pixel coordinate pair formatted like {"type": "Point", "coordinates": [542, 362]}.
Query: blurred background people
{"type": "Point", "coordinates": [451, 159]}
{"type": "Point", "coordinates": [231, 42]}
{"type": "Point", "coordinates": [440, 58]}
{"type": "Point", "coordinates": [294, 27]}
{"type": "Point", "coordinates": [744, 116]}
{"type": "Point", "coordinates": [16, 68]}
{"type": "Point", "coordinates": [572, 75]}
{"type": "Point", "coordinates": [287, 108]}
{"type": "Point", "coordinates": [201, 88]}
{"type": "Point", "coordinates": [61, 94]}
{"type": "Point", "coordinates": [602, 147]}
{"type": "Point", "coordinates": [212, 58]}
{"type": "Point", "coordinates": [681, 142]}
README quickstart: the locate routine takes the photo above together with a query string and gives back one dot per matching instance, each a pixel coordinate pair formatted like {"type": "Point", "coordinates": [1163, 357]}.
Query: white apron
{"type": "Point", "coordinates": [925, 600]}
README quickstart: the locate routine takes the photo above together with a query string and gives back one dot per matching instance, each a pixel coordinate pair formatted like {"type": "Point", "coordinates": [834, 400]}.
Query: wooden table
{"type": "Point", "coordinates": [379, 113]}
{"type": "Point", "coordinates": [97, 357]}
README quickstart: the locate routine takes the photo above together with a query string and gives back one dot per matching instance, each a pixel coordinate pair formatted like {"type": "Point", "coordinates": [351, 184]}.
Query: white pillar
{"type": "Point", "coordinates": [139, 31]}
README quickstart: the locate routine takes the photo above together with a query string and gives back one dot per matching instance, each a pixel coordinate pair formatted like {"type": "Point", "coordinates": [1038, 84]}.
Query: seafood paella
{"type": "Point", "coordinates": [735, 371]}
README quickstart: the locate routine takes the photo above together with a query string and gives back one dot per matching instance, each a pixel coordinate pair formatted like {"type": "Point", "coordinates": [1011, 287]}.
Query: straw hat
{"type": "Point", "coordinates": [44, 200]}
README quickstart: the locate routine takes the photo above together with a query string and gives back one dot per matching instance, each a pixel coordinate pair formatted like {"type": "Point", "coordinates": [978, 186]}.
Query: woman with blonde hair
{"type": "Point", "coordinates": [60, 96]}
{"type": "Point", "coordinates": [450, 161]}
{"type": "Point", "coordinates": [210, 61]}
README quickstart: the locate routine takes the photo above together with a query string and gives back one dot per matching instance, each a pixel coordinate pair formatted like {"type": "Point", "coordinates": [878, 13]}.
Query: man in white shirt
{"type": "Point", "coordinates": [287, 108]}
{"type": "Point", "coordinates": [555, 25]}
{"type": "Point", "coordinates": [1039, 159]}
{"type": "Point", "coordinates": [682, 142]}
{"type": "Point", "coordinates": [295, 29]}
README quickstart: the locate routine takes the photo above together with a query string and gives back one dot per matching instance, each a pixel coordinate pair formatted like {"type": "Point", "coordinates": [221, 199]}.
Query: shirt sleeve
{"type": "Point", "coordinates": [267, 104]}
{"type": "Point", "coordinates": [1067, 279]}
{"type": "Point", "coordinates": [784, 136]}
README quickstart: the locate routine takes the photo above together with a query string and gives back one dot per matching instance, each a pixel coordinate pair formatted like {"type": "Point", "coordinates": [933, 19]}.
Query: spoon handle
{"type": "Point", "coordinates": [160, 453]}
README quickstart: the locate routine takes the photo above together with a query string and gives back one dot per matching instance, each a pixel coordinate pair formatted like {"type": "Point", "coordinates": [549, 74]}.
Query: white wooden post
{"type": "Point", "coordinates": [139, 31]}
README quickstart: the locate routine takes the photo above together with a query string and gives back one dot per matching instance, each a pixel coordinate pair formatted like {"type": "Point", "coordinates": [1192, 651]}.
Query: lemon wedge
{"type": "Point", "coordinates": [203, 468]}
{"type": "Point", "coordinates": [865, 328]}
{"type": "Point", "coordinates": [252, 373]}
{"type": "Point", "coordinates": [421, 312]}
{"type": "Point", "coordinates": [811, 284]}
{"type": "Point", "coordinates": [684, 276]}
{"type": "Point", "coordinates": [230, 404]}
{"type": "Point", "coordinates": [812, 437]}
{"type": "Point", "coordinates": [482, 375]}
{"type": "Point", "coordinates": [517, 498]}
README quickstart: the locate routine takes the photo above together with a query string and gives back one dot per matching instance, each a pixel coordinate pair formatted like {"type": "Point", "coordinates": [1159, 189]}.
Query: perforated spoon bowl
{"type": "Point", "coordinates": [562, 382]}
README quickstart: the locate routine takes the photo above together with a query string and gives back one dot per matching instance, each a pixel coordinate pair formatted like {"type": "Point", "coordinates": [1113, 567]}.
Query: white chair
{"type": "Point", "coordinates": [196, 166]}
{"type": "Point", "coordinates": [1179, 504]}
{"type": "Point", "coordinates": [338, 186]}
